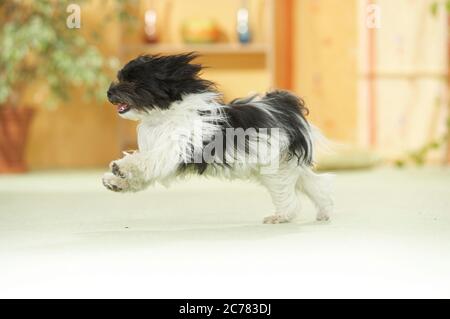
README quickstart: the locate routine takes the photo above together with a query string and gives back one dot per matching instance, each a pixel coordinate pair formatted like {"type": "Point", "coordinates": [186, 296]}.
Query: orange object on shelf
{"type": "Point", "coordinates": [200, 31]}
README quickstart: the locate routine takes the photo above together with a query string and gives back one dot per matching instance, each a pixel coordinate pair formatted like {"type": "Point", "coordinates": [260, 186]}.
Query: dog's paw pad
{"type": "Point", "coordinates": [113, 183]}
{"type": "Point", "coordinates": [322, 217]}
{"type": "Point", "coordinates": [111, 186]}
{"type": "Point", "coordinates": [275, 219]}
{"type": "Point", "coordinates": [116, 170]}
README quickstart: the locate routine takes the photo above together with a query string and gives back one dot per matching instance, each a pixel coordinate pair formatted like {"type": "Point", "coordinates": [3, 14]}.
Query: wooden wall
{"type": "Point", "coordinates": [409, 76]}
{"type": "Point", "coordinates": [78, 133]}
{"type": "Point", "coordinates": [325, 64]}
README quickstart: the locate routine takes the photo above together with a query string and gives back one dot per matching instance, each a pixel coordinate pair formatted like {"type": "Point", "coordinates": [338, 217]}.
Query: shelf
{"type": "Point", "coordinates": [215, 48]}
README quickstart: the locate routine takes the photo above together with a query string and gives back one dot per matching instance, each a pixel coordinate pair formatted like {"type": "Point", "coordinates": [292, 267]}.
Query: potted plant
{"type": "Point", "coordinates": [36, 46]}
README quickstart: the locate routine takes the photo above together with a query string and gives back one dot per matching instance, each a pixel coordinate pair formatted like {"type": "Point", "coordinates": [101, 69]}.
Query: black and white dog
{"type": "Point", "coordinates": [185, 128]}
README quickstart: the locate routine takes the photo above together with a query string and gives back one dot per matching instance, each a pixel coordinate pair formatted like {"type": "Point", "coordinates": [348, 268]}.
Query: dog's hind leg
{"type": "Point", "coordinates": [282, 189]}
{"type": "Point", "coordinates": [318, 188]}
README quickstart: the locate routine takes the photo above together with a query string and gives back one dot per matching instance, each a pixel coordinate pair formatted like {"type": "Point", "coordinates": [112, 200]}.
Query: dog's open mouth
{"type": "Point", "coordinates": [122, 108]}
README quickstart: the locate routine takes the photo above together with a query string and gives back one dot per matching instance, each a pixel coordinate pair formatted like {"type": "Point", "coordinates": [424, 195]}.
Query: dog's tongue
{"type": "Point", "coordinates": [121, 107]}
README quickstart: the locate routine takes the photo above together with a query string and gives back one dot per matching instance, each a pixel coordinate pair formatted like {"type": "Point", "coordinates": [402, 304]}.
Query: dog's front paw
{"type": "Point", "coordinates": [125, 168]}
{"type": "Point", "coordinates": [117, 170]}
{"type": "Point", "coordinates": [125, 176]}
{"type": "Point", "coordinates": [115, 183]}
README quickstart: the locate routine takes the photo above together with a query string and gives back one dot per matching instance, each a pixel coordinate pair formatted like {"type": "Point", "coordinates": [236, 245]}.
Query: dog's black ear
{"type": "Point", "coordinates": [186, 57]}
{"type": "Point", "coordinates": [191, 69]}
{"type": "Point", "coordinates": [180, 76]}
{"type": "Point", "coordinates": [176, 67]}
{"type": "Point", "coordinates": [161, 80]}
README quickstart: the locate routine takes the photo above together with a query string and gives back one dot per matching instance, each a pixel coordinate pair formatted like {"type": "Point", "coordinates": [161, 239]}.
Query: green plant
{"type": "Point", "coordinates": [35, 43]}
{"type": "Point", "coordinates": [419, 156]}
{"type": "Point", "coordinates": [435, 6]}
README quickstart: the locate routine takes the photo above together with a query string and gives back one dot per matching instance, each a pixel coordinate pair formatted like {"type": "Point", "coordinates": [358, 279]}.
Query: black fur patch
{"type": "Point", "coordinates": [157, 81]}
{"type": "Point", "coordinates": [291, 112]}
{"type": "Point", "coordinates": [285, 111]}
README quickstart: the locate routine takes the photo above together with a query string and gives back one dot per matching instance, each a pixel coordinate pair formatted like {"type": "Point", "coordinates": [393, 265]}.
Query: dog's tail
{"type": "Point", "coordinates": [287, 101]}
{"type": "Point", "coordinates": [295, 111]}
{"type": "Point", "coordinates": [290, 111]}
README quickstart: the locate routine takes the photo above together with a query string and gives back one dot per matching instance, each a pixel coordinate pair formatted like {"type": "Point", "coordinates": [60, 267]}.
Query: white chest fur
{"type": "Point", "coordinates": [180, 127]}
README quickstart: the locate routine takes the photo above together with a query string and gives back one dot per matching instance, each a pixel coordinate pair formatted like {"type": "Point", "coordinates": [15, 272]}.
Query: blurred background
{"type": "Point", "coordinates": [374, 73]}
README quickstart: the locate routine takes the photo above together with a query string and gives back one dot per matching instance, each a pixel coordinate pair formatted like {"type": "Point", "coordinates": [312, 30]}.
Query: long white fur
{"type": "Point", "coordinates": [165, 135]}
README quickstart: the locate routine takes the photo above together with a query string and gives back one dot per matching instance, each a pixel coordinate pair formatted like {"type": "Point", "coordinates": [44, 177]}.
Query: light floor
{"type": "Point", "coordinates": [63, 235]}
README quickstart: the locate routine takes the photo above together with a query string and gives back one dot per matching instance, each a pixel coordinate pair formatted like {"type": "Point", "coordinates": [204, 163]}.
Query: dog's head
{"type": "Point", "coordinates": [154, 81]}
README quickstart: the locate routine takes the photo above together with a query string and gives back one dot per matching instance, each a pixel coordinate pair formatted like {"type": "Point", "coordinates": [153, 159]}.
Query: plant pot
{"type": "Point", "coordinates": [14, 126]}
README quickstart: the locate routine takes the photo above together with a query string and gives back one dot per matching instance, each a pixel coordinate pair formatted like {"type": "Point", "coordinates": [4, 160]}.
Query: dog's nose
{"type": "Point", "coordinates": [109, 94]}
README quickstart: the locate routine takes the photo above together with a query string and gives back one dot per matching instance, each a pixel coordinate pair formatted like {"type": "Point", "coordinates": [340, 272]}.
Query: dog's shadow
{"type": "Point", "coordinates": [158, 235]}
